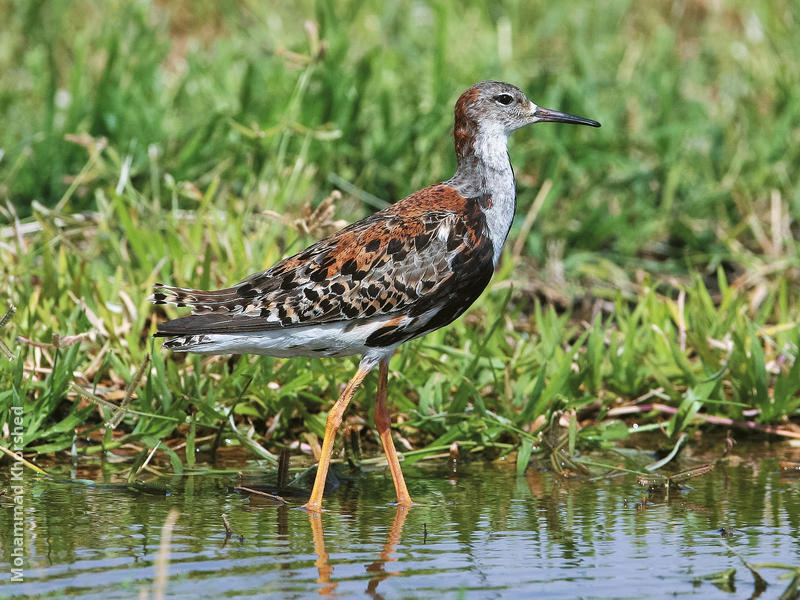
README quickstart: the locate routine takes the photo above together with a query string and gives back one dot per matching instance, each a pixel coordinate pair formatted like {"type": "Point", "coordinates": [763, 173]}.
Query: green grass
{"type": "Point", "coordinates": [187, 142]}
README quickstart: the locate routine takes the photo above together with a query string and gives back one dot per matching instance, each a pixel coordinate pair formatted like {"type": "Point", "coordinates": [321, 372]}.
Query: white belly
{"type": "Point", "coordinates": [329, 339]}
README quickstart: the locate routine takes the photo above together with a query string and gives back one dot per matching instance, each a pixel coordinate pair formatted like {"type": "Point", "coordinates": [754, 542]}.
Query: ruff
{"type": "Point", "coordinates": [398, 274]}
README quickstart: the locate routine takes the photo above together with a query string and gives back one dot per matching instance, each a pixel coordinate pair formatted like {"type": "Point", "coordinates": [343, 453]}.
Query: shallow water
{"type": "Point", "coordinates": [480, 533]}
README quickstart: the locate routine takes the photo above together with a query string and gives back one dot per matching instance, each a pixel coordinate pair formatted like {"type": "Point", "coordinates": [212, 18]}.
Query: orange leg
{"type": "Point", "coordinates": [314, 503]}
{"type": "Point", "coordinates": [383, 423]}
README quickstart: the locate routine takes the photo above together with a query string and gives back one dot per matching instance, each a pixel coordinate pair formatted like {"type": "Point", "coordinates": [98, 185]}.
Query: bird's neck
{"type": "Point", "coordinates": [484, 173]}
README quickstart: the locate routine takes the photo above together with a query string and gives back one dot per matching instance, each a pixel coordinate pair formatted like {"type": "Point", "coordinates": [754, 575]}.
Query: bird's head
{"type": "Point", "coordinates": [495, 107]}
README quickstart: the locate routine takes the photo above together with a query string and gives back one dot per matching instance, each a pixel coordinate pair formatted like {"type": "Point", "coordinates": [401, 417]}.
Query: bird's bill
{"type": "Point", "coordinates": [554, 116]}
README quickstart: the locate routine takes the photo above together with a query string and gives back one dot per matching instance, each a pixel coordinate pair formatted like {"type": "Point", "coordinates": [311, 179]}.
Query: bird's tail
{"type": "Point", "coordinates": [200, 300]}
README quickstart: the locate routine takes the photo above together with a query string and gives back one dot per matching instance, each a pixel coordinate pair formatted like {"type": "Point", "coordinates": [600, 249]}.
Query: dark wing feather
{"type": "Point", "coordinates": [429, 250]}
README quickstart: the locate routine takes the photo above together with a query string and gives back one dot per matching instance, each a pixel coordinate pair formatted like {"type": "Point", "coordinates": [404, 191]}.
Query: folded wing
{"type": "Point", "coordinates": [427, 257]}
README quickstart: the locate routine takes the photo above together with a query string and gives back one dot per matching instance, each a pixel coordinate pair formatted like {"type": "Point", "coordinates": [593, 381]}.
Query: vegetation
{"type": "Point", "coordinates": [651, 273]}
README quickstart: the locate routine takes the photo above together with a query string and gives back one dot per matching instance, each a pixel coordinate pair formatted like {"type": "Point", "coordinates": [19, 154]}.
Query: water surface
{"type": "Point", "coordinates": [482, 532]}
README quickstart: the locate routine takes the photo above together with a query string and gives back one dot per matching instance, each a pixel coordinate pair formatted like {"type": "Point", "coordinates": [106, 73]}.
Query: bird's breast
{"type": "Point", "coordinates": [498, 211]}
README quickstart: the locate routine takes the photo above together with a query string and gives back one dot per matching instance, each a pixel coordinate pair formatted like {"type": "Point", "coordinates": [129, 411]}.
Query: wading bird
{"type": "Point", "coordinates": [396, 275]}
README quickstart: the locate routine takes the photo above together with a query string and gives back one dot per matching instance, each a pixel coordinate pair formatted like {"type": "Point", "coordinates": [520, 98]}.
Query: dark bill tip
{"type": "Point", "coordinates": [554, 116]}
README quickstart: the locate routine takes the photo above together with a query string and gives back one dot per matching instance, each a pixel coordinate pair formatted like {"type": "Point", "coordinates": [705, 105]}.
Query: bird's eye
{"type": "Point", "coordinates": [504, 99]}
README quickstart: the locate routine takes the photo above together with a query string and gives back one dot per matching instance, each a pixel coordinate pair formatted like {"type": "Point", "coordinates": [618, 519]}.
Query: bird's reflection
{"type": "Point", "coordinates": [377, 569]}
{"type": "Point", "coordinates": [323, 568]}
